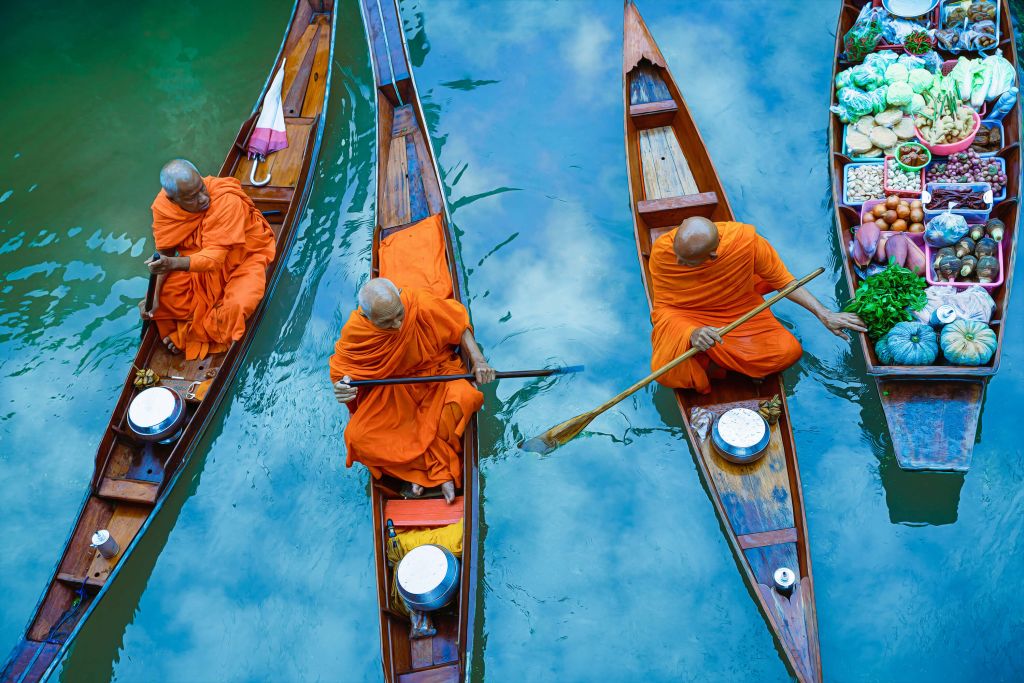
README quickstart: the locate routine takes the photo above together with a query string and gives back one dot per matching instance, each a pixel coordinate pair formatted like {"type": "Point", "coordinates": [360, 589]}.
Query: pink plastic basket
{"type": "Point", "coordinates": [932, 279]}
{"type": "Point", "coordinates": [907, 194]}
{"type": "Point", "coordinates": [954, 147]}
{"type": "Point", "coordinates": [867, 206]}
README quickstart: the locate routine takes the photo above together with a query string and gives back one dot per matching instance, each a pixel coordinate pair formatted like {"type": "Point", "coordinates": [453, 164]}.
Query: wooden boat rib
{"type": "Point", "coordinates": [932, 411]}
{"type": "Point", "coordinates": [408, 191]}
{"type": "Point", "coordinates": [132, 479]}
{"type": "Point", "coordinates": [760, 505]}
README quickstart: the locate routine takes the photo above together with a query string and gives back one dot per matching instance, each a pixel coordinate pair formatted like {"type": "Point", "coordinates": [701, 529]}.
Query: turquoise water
{"type": "Point", "coordinates": [604, 561]}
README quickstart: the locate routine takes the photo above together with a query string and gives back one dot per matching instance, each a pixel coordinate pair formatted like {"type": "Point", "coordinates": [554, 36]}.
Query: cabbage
{"type": "Point", "coordinates": [853, 104]}
{"type": "Point", "coordinates": [896, 73]}
{"type": "Point", "coordinates": [997, 77]}
{"type": "Point", "coordinates": [868, 76]}
{"type": "Point", "coordinates": [920, 80]}
{"type": "Point", "coordinates": [844, 79]}
{"type": "Point", "coordinates": [917, 103]}
{"type": "Point", "coordinates": [900, 94]}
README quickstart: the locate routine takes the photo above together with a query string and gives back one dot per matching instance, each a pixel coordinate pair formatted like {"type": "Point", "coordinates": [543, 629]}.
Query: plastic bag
{"type": "Point", "coordinates": [1003, 105]}
{"type": "Point", "coordinates": [997, 77]}
{"type": "Point", "coordinates": [853, 104]}
{"type": "Point", "coordinates": [879, 99]}
{"type": "Point", "coordinates": [973, 303]}
{"type": "Point", "coordinates": [945, 229]}
{"type": "Point", "coordinates": [980, 36]}
{"type": "Point", "coordinates": [868, 76]}
{"type": "Point", "coordinates": [863, 36]}
{"type": "Point", "coordinates": [844, 79]}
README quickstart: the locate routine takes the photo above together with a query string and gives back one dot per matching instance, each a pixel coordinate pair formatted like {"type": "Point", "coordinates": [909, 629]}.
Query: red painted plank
{"type": "Point", "coordinates": [764, 538]}
{"type": "Point", "coordinates": [430, 512]}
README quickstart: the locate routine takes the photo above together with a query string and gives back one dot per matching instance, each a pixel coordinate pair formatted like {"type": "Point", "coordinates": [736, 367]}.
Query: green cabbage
{"type": "Point", "coordinates": [900, 94]}
{"type": "Point", "coordinates": [921, 80]}
{"type": "Point", "coordinates": [896, 73]}
{"type": "Point", "coordinates": [917, 103]}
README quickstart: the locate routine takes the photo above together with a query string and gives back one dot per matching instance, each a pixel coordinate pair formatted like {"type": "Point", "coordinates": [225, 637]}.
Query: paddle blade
{"type": "Point", "coordinates": [569, 369]}
{"type": "Point", "coordinates": [559, 435]}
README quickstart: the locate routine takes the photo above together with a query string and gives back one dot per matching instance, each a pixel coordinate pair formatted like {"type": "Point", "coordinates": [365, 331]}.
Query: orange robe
{"type": "Point", "coordinates": [229, 247]}
{"type": "Point", "coordinates": [409, 431]}
{"type": "Point", "coordinates": [715, 293]}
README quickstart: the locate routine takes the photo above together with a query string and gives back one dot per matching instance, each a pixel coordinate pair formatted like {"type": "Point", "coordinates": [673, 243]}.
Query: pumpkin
{"type": "Point", "coordinates": [912, 343]}
{"type": "Point", "coordinates": [968, 342]}
{"type": "Point", "coordinates": [883, 352]}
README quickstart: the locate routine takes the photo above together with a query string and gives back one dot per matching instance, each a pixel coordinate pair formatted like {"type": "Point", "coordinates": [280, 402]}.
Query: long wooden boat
{"type": "Point", "coordinates": [132, 479]}
{"type": "Point", "coordinates": [933, 411]}
{"type": "Point", "coordinates": [760, 505]}
{"type": "Point", "coordinates": [409, 191]}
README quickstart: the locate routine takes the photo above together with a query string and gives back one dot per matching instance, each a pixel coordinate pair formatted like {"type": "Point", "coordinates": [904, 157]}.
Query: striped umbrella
{"type": "Point", "coordinates": [270, 134]}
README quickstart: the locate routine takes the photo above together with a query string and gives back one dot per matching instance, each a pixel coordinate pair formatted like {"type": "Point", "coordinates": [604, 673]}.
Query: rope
{"type": "Point", "coordinates": [55, 631]}
{"type": "Point", "coordinates": [387, 46]}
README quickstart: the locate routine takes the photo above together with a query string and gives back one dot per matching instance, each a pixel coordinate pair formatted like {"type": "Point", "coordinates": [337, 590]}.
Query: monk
{"type": "Point", "coordinates": [706, 275]}
{"type": "Point", "coordinates": [213, 248]}
{"type": "Point", "coordinates": [409, 431]}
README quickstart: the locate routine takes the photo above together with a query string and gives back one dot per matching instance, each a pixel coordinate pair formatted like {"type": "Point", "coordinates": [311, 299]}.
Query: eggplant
{"type": "Point", "coordinates": [995, 229]}
{"type": "Point", "coordinates": [977, 232]}
{"type": "Point", "coordinates": [916, 259]}
{"type": "Point", "coordinates": [986, 247]}
{"type": "Point", "coordinates": [964, 247]}
{"type": "Point", "coordinates": [988, 269]}
{"type": "Point", "coordinates": [948, 267]}
{"type": "Point", "coordinates": [969, 265]}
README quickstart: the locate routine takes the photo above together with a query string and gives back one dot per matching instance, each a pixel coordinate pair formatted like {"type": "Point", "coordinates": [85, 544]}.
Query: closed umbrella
{"type": "Point", "coordinates": [270, 133]}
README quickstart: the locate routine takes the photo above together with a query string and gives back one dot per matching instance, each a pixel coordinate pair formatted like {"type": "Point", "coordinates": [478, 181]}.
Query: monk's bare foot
{"type": "Point", "coordinates": [170, 346]}
{"type": "Point", "coordinates": [448, 489]}
{"type": "Point", "coordinates": [417, 490]}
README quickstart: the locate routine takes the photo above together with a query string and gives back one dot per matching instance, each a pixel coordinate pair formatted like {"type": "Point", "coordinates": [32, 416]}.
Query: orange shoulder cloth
{"type": "Point", "coordinates": [223, 224]}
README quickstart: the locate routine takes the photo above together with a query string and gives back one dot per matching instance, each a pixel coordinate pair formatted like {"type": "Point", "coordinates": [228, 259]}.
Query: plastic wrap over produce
{"type": "Point", "coordinates": [973, 303]}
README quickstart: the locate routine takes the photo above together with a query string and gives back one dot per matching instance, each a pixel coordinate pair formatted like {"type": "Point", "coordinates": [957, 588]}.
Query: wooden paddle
{"type": "Point", "coordinates": [561, 434]}
{"type": "Point", "coordinates": [547, 372]}
{"type": "Point", "coordinates": [150, 294]}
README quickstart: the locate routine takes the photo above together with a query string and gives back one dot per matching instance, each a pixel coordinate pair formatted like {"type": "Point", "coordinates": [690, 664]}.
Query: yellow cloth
{"type": "Point", "coordinates": [449, 537]}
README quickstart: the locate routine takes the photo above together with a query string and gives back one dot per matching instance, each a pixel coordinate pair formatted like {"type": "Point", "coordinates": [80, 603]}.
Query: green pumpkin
{"type": "Point", "coordinates": [912, 343]}
{"type": "Point", "coordinates": [883, 352]}
{"type": "Point", "coordinates": [968, 342]}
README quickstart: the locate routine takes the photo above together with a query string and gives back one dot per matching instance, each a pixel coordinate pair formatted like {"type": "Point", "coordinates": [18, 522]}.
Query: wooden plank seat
{"type": "Point", "coordinates": [423, 513]}
{"type": "Point", "coordinates": [666, 172]}
{"type": "Point", "coordinates": [130, 490]}
{"type": "Point", "coordinates": [446, 673]}
{"type": "Point", "coordinates": [653, 114]}
{"type": "Point", "coordinates": [671, 211]}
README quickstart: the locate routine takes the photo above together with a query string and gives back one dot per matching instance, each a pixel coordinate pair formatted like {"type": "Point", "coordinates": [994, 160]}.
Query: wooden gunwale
{"type": "Point", "coordinates": [959, 388]}
{"type": "Point", "coordinates": [802, 655]}
{"type": "Point", "coordinates": [34, 660]}
{"type": "Point", "coordinates": [382, 18]}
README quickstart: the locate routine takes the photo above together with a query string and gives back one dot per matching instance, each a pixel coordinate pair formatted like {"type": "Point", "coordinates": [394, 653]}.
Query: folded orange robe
{"type": "Point", "coordinates": [410, 431]}
{"type": "Point", "coordinates": [716, 293]}
{"type": "Point", "coordinates": [229, 247]}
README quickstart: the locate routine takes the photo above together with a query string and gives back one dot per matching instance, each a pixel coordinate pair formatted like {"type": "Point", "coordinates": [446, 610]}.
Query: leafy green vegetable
{"type": "Point", "coordinates": [887, 298]}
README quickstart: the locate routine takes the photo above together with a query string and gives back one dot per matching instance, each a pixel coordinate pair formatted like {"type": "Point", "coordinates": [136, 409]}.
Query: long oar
{"type": "Point", "coordinates": [561, 434]}
{"type": "Point", "coordinates": [150, 293]}
{"type": "Point", "coordinates": [547, 372]}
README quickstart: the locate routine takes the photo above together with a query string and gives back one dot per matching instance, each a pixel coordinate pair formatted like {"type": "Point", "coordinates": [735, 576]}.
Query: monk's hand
{"type": "Point", "coordinates": [163, 264]}
{"type": "Point", "coordinates": [839, 323]}
{"type": "Point", "coordinates": [143, 313]}
{"type": "Point", "coordinates": [483, 372]}
{"type": "Point", "coordinates": [703, 338]}
{"type": "Point", "coordinates": [343, 391]}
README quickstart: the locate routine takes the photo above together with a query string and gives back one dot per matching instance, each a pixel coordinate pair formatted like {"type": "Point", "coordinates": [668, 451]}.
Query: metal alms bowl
{"type": "Point", "coordinates": [428, 577]}
{"type": "Point", "coordinates": [156, 413]}
{"type": "Point", "coordinates": [740, 435]}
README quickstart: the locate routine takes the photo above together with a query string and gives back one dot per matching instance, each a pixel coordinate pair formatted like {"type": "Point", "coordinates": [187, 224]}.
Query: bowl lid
{"type": "Point", "coordinates": [909, 8]}
{"type": "Point", "coordinates": [422, 569]}
{"type": "Point", "coordinates": [151, 407]}
{"type": "Point", "coordinates": [741, 428]}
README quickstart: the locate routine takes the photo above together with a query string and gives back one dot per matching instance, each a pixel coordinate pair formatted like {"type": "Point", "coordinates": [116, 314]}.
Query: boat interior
{"type": "Point", "coordinates": [411, 218]}
{"type": "Point", "coordinates": [131, 474]}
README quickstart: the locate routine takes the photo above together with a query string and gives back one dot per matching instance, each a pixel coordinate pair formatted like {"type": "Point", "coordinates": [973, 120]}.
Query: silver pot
{"type": "Point", "coordinates": [428, 577]}
{"type": "Point", "coordinates": [156, 414]}
{"type": "Point", "coordinates": [740, 435]}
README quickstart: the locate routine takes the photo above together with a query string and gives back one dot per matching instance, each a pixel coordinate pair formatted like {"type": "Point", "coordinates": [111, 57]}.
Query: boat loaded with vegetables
{"type": "Point", "coordinates": [925, 147]}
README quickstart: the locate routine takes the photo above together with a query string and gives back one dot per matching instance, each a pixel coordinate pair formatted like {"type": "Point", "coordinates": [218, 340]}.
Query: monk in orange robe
{"type": "Point", "coordinates": [409, 431]}
{"type": "Point", "coordinates": [705, 275]}
{"type": "Point", "coordinates": [214, 247]}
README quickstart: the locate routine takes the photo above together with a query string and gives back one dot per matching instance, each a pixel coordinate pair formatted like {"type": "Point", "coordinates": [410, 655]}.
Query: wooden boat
{"type": "Point", "coordinates": [760, 505]}
{"type": "Point", "coordinates": [132, 478]}
{"type": "Point", "coordinates": [408, 191]}
{"type": "Point", "coordinates": [933, 411]}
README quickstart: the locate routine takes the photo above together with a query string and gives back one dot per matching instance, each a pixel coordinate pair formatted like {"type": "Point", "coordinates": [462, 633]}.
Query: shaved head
{"type": "Point", "coordinates": [184, 185]}
{"type": "Point", "coordinates": [381, 303]}
{"type": "Point", "coordinates": [696, 242]}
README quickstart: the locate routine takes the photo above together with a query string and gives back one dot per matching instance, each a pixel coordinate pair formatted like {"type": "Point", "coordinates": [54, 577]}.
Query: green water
{"type": "Point", "coordinates": [604, 561]}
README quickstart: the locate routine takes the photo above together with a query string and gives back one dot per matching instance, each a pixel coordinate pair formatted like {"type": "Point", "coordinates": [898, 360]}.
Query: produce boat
{"type": "Point", "coordinates": [132, 478]}
{"type": "Point", "coordinates": [933, 410]}
{"type": "Point", "coordinates": [760, 505]}
{"type": "Point", "coordinates": [409, 191]}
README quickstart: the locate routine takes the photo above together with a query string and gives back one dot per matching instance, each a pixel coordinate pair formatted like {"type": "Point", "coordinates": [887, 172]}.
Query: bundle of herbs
{"type": "Point", "coordinates": [887, 298]}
